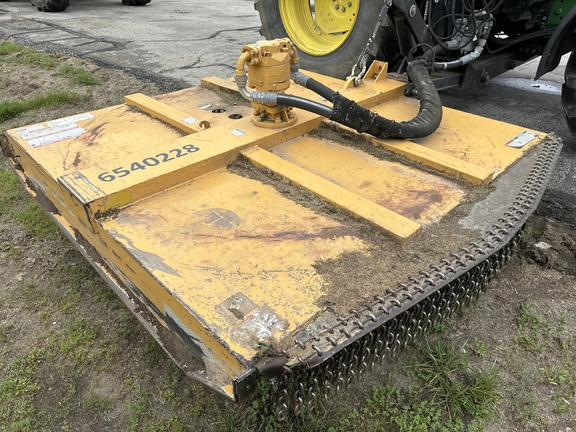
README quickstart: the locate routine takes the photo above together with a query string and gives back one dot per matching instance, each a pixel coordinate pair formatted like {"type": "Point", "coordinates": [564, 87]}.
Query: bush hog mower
{"type": "Point", "coordinates": [258, 227]}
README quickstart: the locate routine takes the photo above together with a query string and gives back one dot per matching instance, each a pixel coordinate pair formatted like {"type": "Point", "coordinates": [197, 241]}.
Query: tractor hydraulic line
{"type": "Point", "coordinates": [349, 113]}
{"type": "Point", "coordinates": [464, 60]}
{"type": "Point", "coordinates": [271, 98]}
{"type": "Point", "coordinates": [311, 84]}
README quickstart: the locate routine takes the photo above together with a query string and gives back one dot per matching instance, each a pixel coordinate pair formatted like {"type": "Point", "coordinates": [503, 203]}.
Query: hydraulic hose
{"type": "Point", "coordinates": [350, 114]}
{"type": "Point", "coordinates": [311, 84]}
{"type": "Point", "coordinates": [272, 99]}
{"type": "Point", "coordinates": [464, 60]}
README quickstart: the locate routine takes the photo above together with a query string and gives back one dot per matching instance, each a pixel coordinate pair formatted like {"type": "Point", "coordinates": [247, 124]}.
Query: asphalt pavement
{"type": "Point", "coordinates": [174, 43]}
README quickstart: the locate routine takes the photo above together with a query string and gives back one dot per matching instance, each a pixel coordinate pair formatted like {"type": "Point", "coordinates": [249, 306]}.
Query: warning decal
{"type": "Point", "coordinates": [521, 139]}
{"type": "Point", "coordinates": [38, 136]}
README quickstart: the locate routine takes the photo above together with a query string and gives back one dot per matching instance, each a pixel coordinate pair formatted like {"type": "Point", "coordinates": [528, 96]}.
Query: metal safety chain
{"type": "Point", "coordinates": [328, 362]}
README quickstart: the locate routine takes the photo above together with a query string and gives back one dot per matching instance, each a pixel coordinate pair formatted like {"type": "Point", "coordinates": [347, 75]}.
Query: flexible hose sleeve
{"type": "Point", "coordinates": [350, 114]}
{"type": "Point", "coordinates": [311, 84]}
{"type": "Point", "coordinates": [320, 89]}
{"type": "Point", "coordinates": [305, 104]}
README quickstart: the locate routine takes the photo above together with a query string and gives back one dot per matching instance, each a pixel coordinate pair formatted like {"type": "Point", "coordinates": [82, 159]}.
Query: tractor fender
{"type": "Point", "coordinates": [560, 43]}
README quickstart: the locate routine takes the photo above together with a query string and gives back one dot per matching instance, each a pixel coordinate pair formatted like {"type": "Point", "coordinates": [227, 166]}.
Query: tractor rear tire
{"type": "Point", "coordinates": [337, 63]}
{"type": "Point", "coordinates": [51, 5]}
{"type": "Point", "coordinates": [569, 93]}
{"type": "Point", "coordinates": [136, 2]}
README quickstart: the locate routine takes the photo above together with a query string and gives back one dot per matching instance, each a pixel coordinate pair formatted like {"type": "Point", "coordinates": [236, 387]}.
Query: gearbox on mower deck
{"type": "Point", "coordinates": [306, 253]}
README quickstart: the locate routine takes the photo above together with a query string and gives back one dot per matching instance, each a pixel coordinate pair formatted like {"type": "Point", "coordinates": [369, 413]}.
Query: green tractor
{"type": "Point", "coordinates": [465, 42]}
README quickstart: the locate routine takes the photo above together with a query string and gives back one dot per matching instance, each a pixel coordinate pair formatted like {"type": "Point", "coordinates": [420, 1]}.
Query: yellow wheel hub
{"type": "Point", "coordinates": [319, 27]}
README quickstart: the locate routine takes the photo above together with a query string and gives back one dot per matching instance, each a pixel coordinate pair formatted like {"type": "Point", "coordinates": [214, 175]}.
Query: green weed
{"type": "Point", "coordinates": [137, 408]}
{"type": "Point", "coordinates": [95, 402]}
{"type": "Point", "coordinates": [153, 352]}
{"type": "Point", "coordinates": [556, 377]}
{"type": "Point", "coordinates": [36, 221]}
{"type": "Point", "coordinates": [17, 391]}
{"type": "Point", "coordinates": [442, 326]}
{"type": "Point", "coordinates": [70, 299]}
{"type": "Point", "coordinates": [30, 295]}
{"type": "Point", "coordinates": [78, 333]}
{"type": "Point", "coordinates": [526, 318]}
{"type": "Point", "coordinates": [126, 326]}
{"type": "Point", "coordinates": [530, 342]}
{"type": "Point", "coordinates": [563, 406]}
{"type": "Point", "coordinates": [452, 385]}
{"type": "Point", "coordinates": [13, 53]}
{"type": "Point", "coordinates": [12, 108]}
{"type": "Point", "coordinates": [108, 350]}
{"type": "Point", "coordinates": [479, 347]}
{"type": "Point", "coordinates": [10, 190]}
{"type": "Point", "coordinates": [78, 75]}
{"type": "Point", "coordinates": [7, 48]}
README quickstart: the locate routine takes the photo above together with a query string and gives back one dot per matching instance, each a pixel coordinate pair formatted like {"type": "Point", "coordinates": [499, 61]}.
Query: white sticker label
{"type": "Point", "coordinates": [237, 132]}
{"type": "Point", "coordinates": [30, 129]}
{"type": "Point", "coordinates": [205, 106]}
{"type": "Point", "coordinates": [521, 139]}
{"type": "Point", "coordinates": [190, 120]}
{"type": "Point", "coordinates": [42, 137]}
{"type": "Point", "coordinates": [68, 120]}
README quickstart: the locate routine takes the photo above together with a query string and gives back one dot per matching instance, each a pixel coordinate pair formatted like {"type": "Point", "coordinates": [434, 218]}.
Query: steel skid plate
{"type": "Point", "coordinates": [247, 250]}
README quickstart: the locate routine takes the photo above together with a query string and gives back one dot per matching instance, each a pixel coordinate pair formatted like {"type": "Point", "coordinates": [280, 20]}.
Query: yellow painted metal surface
{"type": "Point", "coordinates": [162, 111]}
{"type": "Point", "coordinates": [391, 222]}
{"type": "Point", "coordinates": [477, 141]}
{"type": "Point", "coordinates": [411, 193]}
{"type": "Point", "coordinates": [223, 234]}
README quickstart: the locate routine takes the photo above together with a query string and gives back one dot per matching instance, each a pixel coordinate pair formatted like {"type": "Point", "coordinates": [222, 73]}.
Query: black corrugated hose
{"type": "Point", "coordinates": [350, 114]}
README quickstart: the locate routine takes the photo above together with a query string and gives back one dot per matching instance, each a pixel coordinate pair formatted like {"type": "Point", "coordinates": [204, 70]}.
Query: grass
{"type": "Point", "coordinates": [13, 53]}
{"type": "Point", "coordinates": [526, 318]}
{"type": "Point", "coordinates": [10, 190]}
{"type": "Point", "coordinates": [530, 328]}
{"type": "Point", "coordinates": [36, 221]}
{"type": "Point", "coordinates": [12, 108]}
{"type": "Point", "coordinates": [96, 402]}
{"type": "Point", "coordinates": [455, 387]}
{"type": "Point", "coordinates": [17, 391]}
{"type": "Point", "coordinates": [78, 75]}
{"type": "Point", "coordinates": [14, 203]}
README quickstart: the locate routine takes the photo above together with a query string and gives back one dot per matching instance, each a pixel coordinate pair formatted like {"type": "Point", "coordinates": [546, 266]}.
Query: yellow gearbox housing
{"type": "Point", "coordinates": [268, 65]}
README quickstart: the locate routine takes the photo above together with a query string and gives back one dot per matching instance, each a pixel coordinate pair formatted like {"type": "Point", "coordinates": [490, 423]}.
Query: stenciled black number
{"type": "Point", "coordinates": [148, 162]}
{"type": "Point", "coordinates": [190, 148]}
{"type": "Point", "coordinates": [137, 166]}
{"type": "Point", "coordinates": [178, 152]}
{"type": "Point", "coordinates": [165, 157]}
{"type": "Point", "coordinates": [151, 161]}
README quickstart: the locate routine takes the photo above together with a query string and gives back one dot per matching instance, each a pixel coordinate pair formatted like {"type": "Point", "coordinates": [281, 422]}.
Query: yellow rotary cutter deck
{"type": "Point", "coordinates": [307, 250]}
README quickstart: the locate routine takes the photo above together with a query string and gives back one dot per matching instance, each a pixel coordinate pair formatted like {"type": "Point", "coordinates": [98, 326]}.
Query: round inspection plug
{"type": "Point", "coordinates": [218, 110]}
{"type": "Point", "coordinates": [235, 116]}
